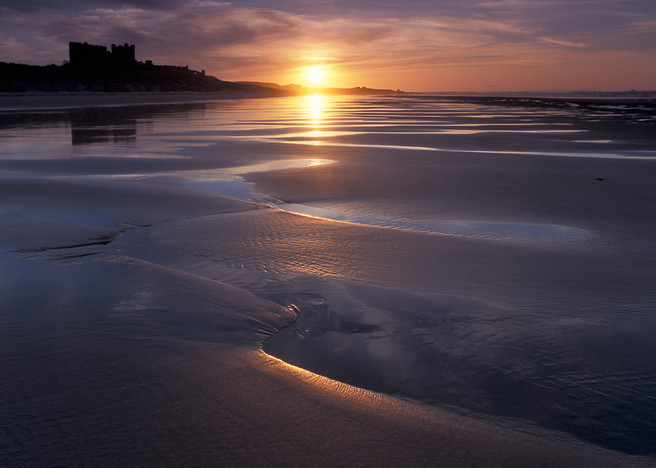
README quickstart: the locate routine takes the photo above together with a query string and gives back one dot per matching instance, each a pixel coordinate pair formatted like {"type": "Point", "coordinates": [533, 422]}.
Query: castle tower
{"type": "Point", "coordinates": [123, 54]}
{"type": "Point", "coordinates": [87, 55]}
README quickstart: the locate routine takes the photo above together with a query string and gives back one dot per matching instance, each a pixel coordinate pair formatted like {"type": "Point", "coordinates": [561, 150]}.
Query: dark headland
{"type": "Point", "coordinates": [95, 69]}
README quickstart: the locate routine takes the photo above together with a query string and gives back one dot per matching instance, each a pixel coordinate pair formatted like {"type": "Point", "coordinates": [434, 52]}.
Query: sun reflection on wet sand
{"type": "Point", "coordinates": [315, 106]}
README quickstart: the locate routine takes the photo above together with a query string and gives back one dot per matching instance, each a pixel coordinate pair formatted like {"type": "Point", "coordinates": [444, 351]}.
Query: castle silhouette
{"type": "Point", "coordinates": [97, 56]}
{"type": "Point", "coordinates": [94, 68]}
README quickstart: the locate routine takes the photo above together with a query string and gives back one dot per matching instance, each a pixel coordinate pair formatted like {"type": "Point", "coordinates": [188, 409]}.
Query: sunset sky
{"type": "Point", "coordinates": [415, 45]}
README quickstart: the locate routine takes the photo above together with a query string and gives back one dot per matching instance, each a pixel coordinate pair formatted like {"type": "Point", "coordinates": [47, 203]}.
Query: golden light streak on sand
{"type": "Point", "coordinates": [371, 399]}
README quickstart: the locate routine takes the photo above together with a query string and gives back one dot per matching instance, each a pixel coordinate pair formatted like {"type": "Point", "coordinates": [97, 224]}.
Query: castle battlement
{"type": "Point", "coordinates": [88, 55]}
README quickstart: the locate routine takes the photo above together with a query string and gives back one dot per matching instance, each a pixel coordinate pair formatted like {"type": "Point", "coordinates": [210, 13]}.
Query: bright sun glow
{"type": "Point", "coordinates": [315, 74]}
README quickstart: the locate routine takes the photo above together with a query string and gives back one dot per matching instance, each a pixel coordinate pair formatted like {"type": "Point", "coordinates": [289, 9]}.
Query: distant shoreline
{"type": "Point", "coordinates": [62, 100]}
{"type": "Point", "coordinates": [644, 103]}
{"type": "Point", "coordinates": [34, 100]}
{"type": "Point", "coordinates": [67, 100]}
{"type": "Point", "coordinates": [143, 79]}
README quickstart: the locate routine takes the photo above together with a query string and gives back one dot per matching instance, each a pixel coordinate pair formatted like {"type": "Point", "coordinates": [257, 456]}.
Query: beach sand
{"type": "Point", "coordinates": [121, 360]}
{"type": "Point", "coordinates": [136, 305]}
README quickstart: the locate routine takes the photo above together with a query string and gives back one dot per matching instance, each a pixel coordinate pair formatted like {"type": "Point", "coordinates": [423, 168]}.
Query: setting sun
{"type": "Point", "coordinates": [315, 74]}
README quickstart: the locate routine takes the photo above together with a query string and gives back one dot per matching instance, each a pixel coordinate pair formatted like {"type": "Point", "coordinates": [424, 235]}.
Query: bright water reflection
{"type": "Point", "coordinates": [316, 107]}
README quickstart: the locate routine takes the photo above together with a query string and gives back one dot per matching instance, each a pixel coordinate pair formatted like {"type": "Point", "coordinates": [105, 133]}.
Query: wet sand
{"type": "Point", "coordinates": [137, 299]}
{"type": "Point", "coordinates": [126, 361]}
